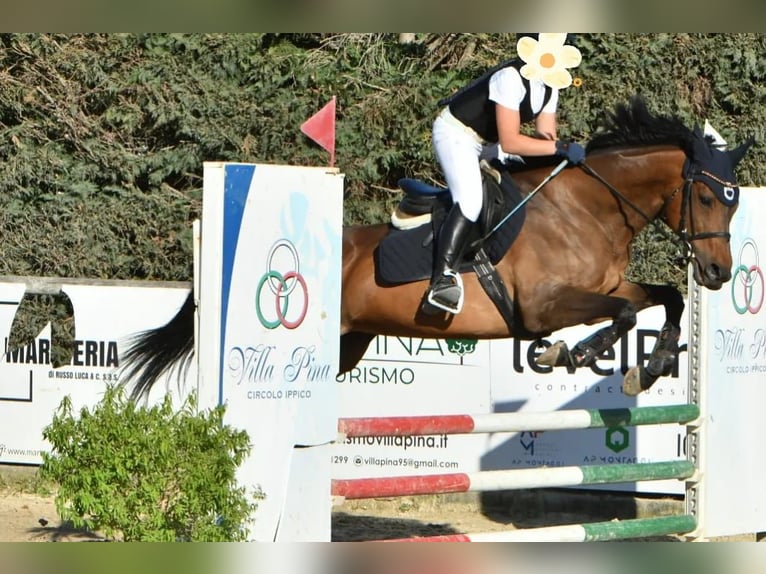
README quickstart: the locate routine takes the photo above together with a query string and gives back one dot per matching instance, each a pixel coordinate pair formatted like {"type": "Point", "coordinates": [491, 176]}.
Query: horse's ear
{"type": "Point", "coordinates": [700, 148]}
{"type": "Point", "coordinates": [717, 139]}
{"type": "Point", "coordinates": [736, 155]}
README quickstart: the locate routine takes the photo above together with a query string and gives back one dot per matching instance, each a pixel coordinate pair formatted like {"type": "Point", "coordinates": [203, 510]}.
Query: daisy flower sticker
{"type": "Point", "coordinates": [547, 59]}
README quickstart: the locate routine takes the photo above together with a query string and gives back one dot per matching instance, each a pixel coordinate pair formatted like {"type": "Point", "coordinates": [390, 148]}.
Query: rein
{"type": "Point", "coordinates": [550, 176]}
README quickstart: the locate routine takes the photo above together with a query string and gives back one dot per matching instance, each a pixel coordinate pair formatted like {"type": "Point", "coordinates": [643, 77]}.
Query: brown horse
{"type": "Point", "coordinates": [567, 265]}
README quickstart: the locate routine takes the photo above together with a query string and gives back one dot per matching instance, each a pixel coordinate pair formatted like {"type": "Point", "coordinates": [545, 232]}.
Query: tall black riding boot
{"type": "Point", "coordinates": [446, 290]}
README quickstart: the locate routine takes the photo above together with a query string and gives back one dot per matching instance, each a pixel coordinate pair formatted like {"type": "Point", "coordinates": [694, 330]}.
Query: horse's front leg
{"type": "Point", "coordinates": [665, 351]}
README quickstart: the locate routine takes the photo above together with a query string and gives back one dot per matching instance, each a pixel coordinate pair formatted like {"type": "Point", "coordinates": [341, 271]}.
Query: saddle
{"type": "Point", "coordinates": [406, 254]}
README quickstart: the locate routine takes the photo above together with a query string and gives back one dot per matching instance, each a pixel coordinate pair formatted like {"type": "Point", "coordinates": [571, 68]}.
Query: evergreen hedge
{"type": "Point", "coordinates": [103, 136]}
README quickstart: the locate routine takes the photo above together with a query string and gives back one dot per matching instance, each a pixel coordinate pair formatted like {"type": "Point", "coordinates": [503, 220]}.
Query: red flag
{"type": "Point", "coordinates": [321, 128]}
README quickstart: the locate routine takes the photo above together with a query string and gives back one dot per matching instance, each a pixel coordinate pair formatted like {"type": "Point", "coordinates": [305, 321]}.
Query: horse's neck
{"type": "Point", "coordinates": [640, 180]}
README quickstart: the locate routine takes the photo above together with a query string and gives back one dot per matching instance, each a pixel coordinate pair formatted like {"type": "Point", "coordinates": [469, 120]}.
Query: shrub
{"type": "Point", "coordinates": [148, 473]}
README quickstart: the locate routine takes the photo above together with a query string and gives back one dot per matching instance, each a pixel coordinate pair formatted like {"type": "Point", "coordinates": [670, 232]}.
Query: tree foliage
{"type": "Point", "coordinates": [103, 136]}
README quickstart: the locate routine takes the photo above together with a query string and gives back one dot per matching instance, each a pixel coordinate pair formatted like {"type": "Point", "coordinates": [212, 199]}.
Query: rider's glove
{"type": "Point", "coordinates": [573, 151]}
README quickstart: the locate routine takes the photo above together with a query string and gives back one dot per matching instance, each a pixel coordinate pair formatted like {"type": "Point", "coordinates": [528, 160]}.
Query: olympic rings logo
{"type": "Point", "coordinates": [282, 286]}
{"type": "Point", "coordinates": [747, 284]}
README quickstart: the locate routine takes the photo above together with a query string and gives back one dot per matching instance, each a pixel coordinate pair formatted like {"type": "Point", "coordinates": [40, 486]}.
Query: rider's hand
{"type": "Point", "coordinates": [573, 151]}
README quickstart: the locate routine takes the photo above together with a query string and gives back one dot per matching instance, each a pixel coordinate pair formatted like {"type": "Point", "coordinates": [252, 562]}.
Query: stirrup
{"type": "Point", "coordinates": [459, 306]}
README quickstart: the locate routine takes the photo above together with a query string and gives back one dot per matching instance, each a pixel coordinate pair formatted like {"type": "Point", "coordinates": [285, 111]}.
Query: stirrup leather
{"type": "Point", "coordinates": [459, 306]}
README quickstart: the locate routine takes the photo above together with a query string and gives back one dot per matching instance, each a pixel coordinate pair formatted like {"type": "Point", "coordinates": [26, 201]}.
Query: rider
{"type": "Point", "coordinates": [484, 119]}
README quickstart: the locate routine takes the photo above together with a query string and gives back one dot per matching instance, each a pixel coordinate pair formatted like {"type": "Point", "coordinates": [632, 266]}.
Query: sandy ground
{"type": "Point", "coordinates": [415, 517]}
{"type": "Point", "coordinates": [27, 517]}
{"type": "Point", "coordinates": [386, 519]}
{"type": "Point", "coordinates": [28, 514]}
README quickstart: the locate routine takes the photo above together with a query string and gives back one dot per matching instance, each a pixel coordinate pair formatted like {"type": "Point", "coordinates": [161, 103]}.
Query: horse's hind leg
{"type": "Point", "coordinates": [633, 298]}
{"type": "Point", "coordinates": [585, 307]}
{"type": "Point", "coordinates": [353, 346]}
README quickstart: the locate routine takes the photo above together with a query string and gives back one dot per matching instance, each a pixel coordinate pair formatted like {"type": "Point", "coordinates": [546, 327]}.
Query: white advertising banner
{"type": "Point", "coordinates": [105, 318]}
{"type": "Point", "coordinates": [405, 376]}
{"type": "Point", "coordinates": [520, 385]}
{"type": "Point", "coordinates": [269, 324]}
{"type": "Point", "coordinates": [733, 359]}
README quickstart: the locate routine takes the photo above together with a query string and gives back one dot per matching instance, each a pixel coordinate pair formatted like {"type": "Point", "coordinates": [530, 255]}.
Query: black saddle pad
{"type": "Point", "coordinates": [404, 256]}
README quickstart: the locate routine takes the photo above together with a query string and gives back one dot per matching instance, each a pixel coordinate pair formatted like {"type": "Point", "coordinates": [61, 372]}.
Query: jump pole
{"type": "Point", "coordinates": [516, 479]}
{"type": "Point", "coordinates": [516, 422]}
{"type": "Point", "coordinates": [593, 532]}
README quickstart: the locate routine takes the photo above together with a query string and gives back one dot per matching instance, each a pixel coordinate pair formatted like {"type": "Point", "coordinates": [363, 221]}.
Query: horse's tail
{"type": "Point", "coordinates": [153, 352]}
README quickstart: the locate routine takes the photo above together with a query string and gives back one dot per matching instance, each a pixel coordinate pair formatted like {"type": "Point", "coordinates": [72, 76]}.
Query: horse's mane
{"type": "Point", "coordinates": [630, 124]}
{"type": "Point", "coordinates": [633, 124]}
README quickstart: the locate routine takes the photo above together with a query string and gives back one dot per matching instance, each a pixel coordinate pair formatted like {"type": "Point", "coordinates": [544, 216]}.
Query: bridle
{"type": "Point", "coordinates": [684, 235]}
{"type": "Point", "coordinates": [686, 201]}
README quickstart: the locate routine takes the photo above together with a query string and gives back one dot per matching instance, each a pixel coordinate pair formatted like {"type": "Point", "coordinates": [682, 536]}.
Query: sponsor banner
{"type": "Point", "coordinates": [400, 377]}
{"type": "Point", "coordinates": [270, 286]}
{"type": "Point", "coordinates": [410, 375]}
{"type": "Point", "coordinates": [520, 385]}
{"type": "Point", "coordinates": [733, 358]}
{"type": "Point", "coordinates": [407, 376]}
{"type": "Point", "coordinates": [105, 317]}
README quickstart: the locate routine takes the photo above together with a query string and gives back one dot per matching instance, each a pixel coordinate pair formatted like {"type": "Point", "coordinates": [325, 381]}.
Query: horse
{"type": "Point", "coordinates": [566, 265]}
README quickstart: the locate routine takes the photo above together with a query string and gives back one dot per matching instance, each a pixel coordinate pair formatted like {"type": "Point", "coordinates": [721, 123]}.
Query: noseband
{"type": "Point", "coordinates": [685, 236]}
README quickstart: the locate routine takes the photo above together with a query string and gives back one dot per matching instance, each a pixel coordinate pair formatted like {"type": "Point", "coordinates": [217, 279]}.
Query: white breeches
{"type": "Point", "coordinates": [459, 152]}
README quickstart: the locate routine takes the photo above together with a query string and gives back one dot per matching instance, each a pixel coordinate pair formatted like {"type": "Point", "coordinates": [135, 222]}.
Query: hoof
{"type": "Point", "coordinates": [660, 363]}
{"type": "Point", "coordinates": [557, 355]}
{"type": "Point", "coordinates": [631, 384]}
{"type": "Point", "coordinates": [637, 379]}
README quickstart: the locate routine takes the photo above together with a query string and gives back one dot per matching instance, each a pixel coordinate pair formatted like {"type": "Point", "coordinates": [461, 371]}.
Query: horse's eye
{"type": "Point", "coordinates": [706, 200]}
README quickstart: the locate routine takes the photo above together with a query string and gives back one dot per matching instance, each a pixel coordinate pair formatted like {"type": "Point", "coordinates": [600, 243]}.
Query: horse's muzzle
{"type": "Point", "coordinates": [712, 276]}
